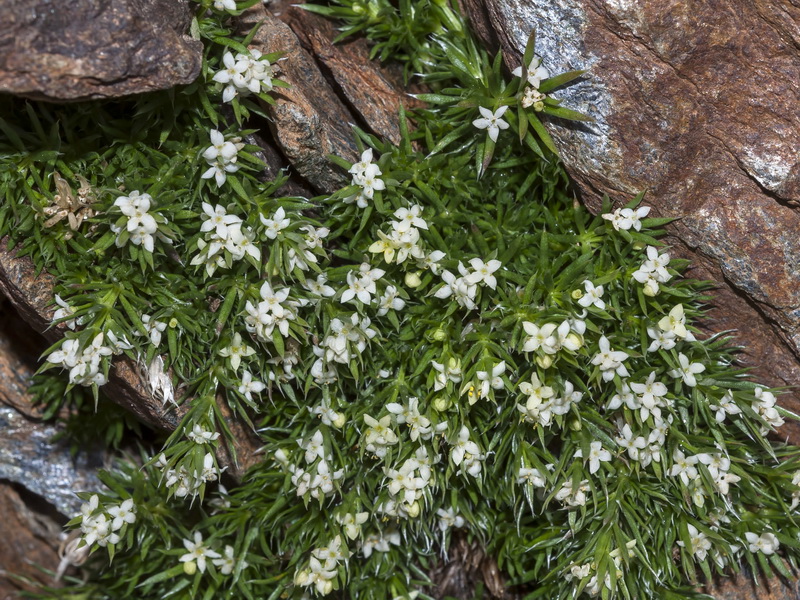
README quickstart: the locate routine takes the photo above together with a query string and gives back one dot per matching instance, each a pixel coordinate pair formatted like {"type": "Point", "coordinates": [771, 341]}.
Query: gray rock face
{"type": "Point", "coordinates": [95, 48]}
{"type": "Point", "coordinates": [28, 457]}
{"type": "Point", "coordinates": [695, 102]}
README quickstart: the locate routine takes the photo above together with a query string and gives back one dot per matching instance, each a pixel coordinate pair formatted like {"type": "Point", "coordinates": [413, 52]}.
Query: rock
{"type": "Point", "coordinates": [309, 122]}
{"type": "Point", "coordinates": [695, 102]}
{"type": "Point", "coordinates": [30, 533]}
{"type": "Point", "coordinates": [32, 294]}
{"type": "Point", "coordinates": [95, 48]}
{"type": "Point", "coordinates": [375, 93]}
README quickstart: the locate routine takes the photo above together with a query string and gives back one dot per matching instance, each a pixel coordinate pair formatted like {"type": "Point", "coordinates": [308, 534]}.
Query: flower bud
{"type": "Point", "coordinates": [413, 280]}
{"type": "Point", "coordinates": [650, 288]}
{"type": "Point", "coordinates": [576, 425]}
{"type": "Point", "coordinates": [441, 404]}
{"type": "Point", "coordinates": [339, 421]}
{"type": "Point", "coordinates": [301, 578]}
{"type": "Point", "coordinates": [574, 339]}
{"type": "Point", "coordinates": [577, 294]}
{"type": "Point", "coordinates": [413, 510]}
{"type": "Point", "coordinates": [325, 587]}
{"type": "Point", "coordinates": [173, 323]}
{"type": "Point", "coordinates": [637, 245]}
{"type": "Point", "coordinates": [190, 568]}
{"type": "Point", "coordinates": [439, 335]}
{"type": "Point", "coordinates": [545, 361]}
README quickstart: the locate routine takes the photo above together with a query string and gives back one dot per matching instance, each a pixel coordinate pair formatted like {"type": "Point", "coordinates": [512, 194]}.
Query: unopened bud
{"type": "Point", "coordinates": [413, 280]}
{"type": "Point", "coordinates": [441, 404]}
{"type": "Point", "coordinates": [413, 510]}
{"type": "Point", "coordinates": [544, 362]}
{"type": "Point", "coordinates": [190, 568]}
{"type": "Point", "coordinates": [577, 294]}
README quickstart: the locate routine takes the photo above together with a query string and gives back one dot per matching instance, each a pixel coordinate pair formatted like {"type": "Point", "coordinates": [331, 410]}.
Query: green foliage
{"type": "Point", "coordinates": [451, 341]}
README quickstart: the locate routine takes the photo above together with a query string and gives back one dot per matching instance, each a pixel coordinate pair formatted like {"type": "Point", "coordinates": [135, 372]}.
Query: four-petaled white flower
{"type": "Point", "coordinates": [687, 370]}
{"type": "Point", "coordinates": [534, 74]}
{"type": "Point", "coordinates": [593, 296]}
{"type": "Point", "coordinates": [491, 121]}
{"type": "Point", "coordinates": [236, 351]}
{"type": "Point", "coordinates": [597, 454]}
{"type": "Point", "coordinates": [767, 542]}
{"type": "Point", "coordinates": [483, 272]}
{"type": "Point", "coordinates": [249, 386]}
{"type": "Point", "coordinates": [625, 218]}
{"type": "Point", "coordinates": [197, 552]}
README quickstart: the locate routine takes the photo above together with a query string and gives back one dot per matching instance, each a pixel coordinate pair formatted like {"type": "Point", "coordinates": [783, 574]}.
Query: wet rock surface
{"type": "Point", "coordinates": [695, 102]}
{"type": "Point", "coordinates": [95, 48]}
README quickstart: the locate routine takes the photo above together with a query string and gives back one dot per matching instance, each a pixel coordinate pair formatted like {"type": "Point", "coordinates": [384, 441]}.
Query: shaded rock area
{"type": "Point", "coordinates": [30, 530]}
{"type": "Point", "coordinates": [88, 49]}
{"type": "Point", "coordinates": [695, 102]}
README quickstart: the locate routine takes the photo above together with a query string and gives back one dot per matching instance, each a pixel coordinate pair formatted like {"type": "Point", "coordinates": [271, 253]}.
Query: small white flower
{"type": "Point", "coordinates": [597, 454]}
{"type": "Point", "coordinates": [593, 296]}
{"type": "Point", "coordinates": [687, 370]}
{"type": "Point", "coordinates": [491, 121]}
{"type": "Point", "coordinates": [197, 552]}
{"type": "Point", "coordinates": [767, 542]}
{"type": "Point", "coordinates": [534, 74]}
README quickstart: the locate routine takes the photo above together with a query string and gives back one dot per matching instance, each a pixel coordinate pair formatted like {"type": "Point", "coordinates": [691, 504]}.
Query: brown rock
{"type": "Point", "coordinates": [375, 93]}
{"type": "Point", "coordinates": [695, 102]}
{"type": "Point", "coordinates": [309, 122]}
{"type": "Point", "coordinates": [30, 534]}
{"type": "Point", "coordinates": [95, 48]}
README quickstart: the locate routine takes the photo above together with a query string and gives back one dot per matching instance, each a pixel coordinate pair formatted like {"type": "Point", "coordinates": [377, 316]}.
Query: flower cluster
{"type": "Point", "coordinates": [319, 479]}
{"type": "Point", "coordinates": [366, 175]}
{"type": "Point", "coordinates": [653, 271]}
{"type": "Point", "coordinates": [137, 225]}
{"type": "Point", "coordinates": [226, 240]}
{"type": "Point", "coordinates": [464, 289]}
{"type": "Point", "coordinates": [180, 482]}
{"type": "Point", "coordinates": [84, 363]}
{"type": "Point", "coordinates": [244, 74]}
{"type": "Point", "coordinates": [322, 567]}
{"type": "Point", "coordinates": [104, 525]}
{"type": "Point", "coordinates": [221, 157]}
{"type": "Point", "coordinates": [404, 240]}
{"type": "Point", "coordinates": [534, 75]}
{"type": "Point", "coordinates": [275, 310]}
{"type": "Point", "coordinates": [198, 553]}
{"type": "Point", "coordinates": [627, 218]}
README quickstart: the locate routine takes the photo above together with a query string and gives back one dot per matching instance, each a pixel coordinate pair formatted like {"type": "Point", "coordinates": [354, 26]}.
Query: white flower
{"type": "Point", "coordinates": [221, 156]}
{"type": "Point", "coordinates": [675, 322]}
{"type": "Point", "coordinates": [465, 450]}
{"type": "Point", "coordinates": [62, 313]}
{"type": "Point", "coordinates": [687, 370]}
{"type": "Point", "coordinates": [699, 544]}
{"type": "Point", "coordinates": [662, 340]}
{"type": "Point", "coordinates": [227, 562]}
{"type": "Point", "coordinates": [276, 224]}
{"type": "Point", "coordinates": [684, 467]}
{"type": "Point", "coordinates": [597, 454]}
{"type": "Point", "coordinates": [540, 337]}
{"type": "Point", "coordinates": [199, 435]}
{"type": "Point", "coordinates": [409, 217]}
{"type": "Point", "coordinates": [531, 476]}
{"type": "Point", "coordinates": [236, 351]}
{"type": "Point", "coordinates": [593, 296]}
{"type": "Point", "coordinates": [633, 444]}
{"type": "Point", "coordinates": [726, 406]}
{"type": "Point", "coordinates": [352, 523]}
{"type": "Point", "coordinates": [625, 218]}
{"type": "Point", "coordinates": [609, 361]}
{"type": "Point", "coordinates": [651, 394]}
{"type": "Point", "coordinates": [767, 542]}
{"type": "Point", "coordinates": [492, 380]}
{"type": "Point", "coordinates": [124, 513]}
{"type": "Point", "coordinates": [534, 74]}
{"type": "Point", "coordinates": [359, 288]}
{"type": "Point", "coordinates": [483, 272]}
{"type": "Point", "coordinates": [449, 518]}
{"type": "Point", "coordinates": [197, 552]}
{"type": "Point", "coordinates": [491, 121]}
{"type": "Point", "coordinates": [249, 387]}
{"type": "Point", "coordinates": [221, 5]}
